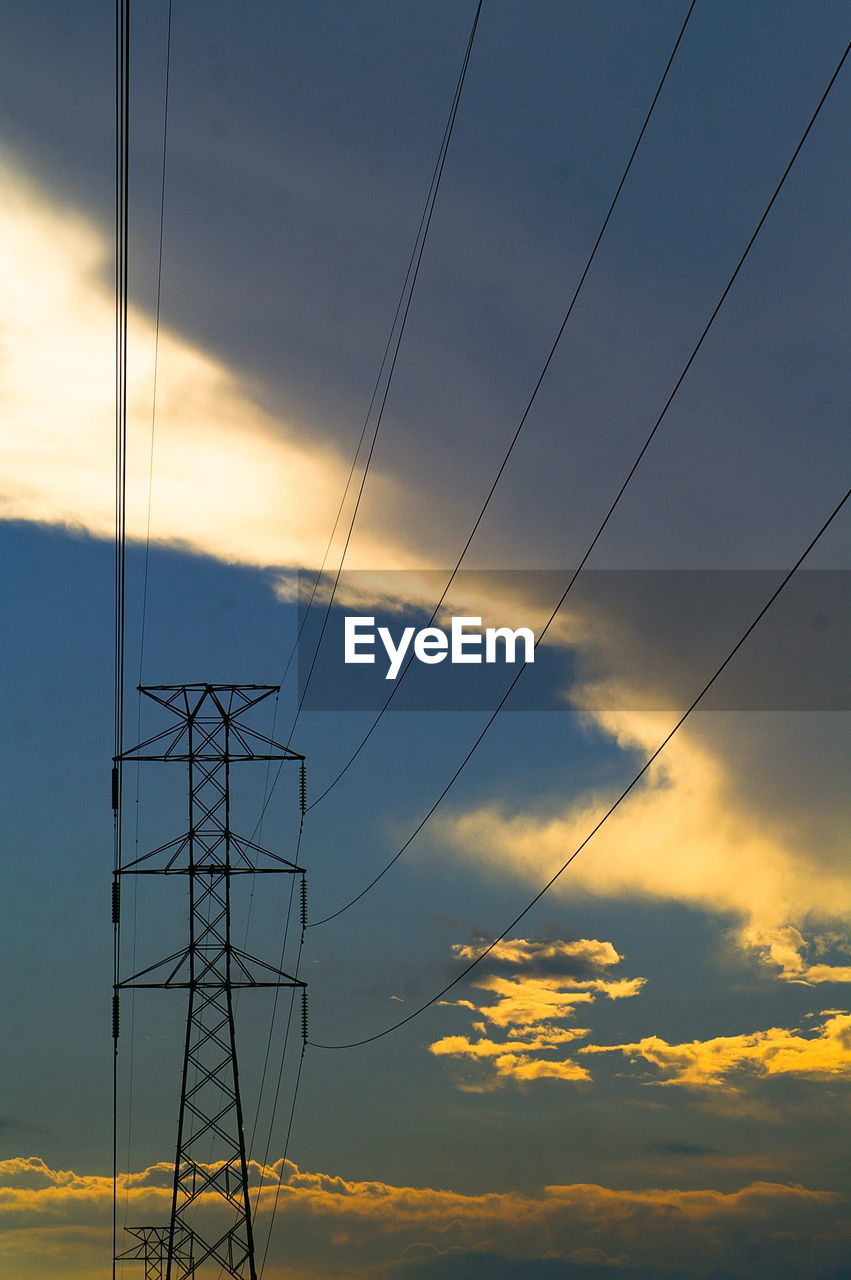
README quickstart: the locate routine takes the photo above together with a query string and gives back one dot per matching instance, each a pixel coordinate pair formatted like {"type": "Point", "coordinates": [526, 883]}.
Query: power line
{"type": "Point", "coordinates": [626, 791]}
{"type": "Point", "coordinates": [283, 1061]}
{"type": "Point", "coordinates": [273, 1018]}
{"type": "Point", "coordinates": [397, 328]}
{"type": "Point", "coordinates": [268, 1051]}
{"type": "Point", "coordinates": [406, 292]}
{"type": "Point", "coordinates": [156, 340]}
{"type": "Point", "coordinates": [122, 126]}
{"type": "Point", "coordinates": [530, 402]}
{"type": "Point", "coordinates": [388, 362]}
{"type": "Point", "coordinates": [612, 507]}
{"type": "Point", "coordinates": [292, 1106]}
{"type": "Point", "coordinates": [425, 224]}
{"type": "Point", "coordinates": [131, 1064]}
{"type": "Point", "coordinates": [283, 1160]}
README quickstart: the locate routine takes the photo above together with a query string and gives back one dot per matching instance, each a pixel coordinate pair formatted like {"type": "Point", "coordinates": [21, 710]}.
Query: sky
{"type": "Point", "coordinates": [648, 1076]}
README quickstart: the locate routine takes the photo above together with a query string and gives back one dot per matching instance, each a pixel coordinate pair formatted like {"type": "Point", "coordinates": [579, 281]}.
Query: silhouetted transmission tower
{"type": "Point", "coordinates": [210, 1228]}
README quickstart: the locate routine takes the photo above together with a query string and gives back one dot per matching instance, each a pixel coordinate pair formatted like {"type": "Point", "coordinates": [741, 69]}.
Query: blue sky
{"type": "Point", "coordinates": [653, 1065]}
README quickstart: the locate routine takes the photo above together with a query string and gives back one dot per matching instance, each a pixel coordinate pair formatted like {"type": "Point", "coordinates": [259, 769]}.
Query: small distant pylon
{"type": "Point", "coordinates": [152, 1249]}
{"type": "Point", "coordinates": [211, 1166]}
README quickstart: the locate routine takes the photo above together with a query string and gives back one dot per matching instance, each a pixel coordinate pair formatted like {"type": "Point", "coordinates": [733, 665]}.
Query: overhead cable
{"type": "Point", "coordinates": [530, 402]}
{"type": "Point", "coordinates": [589, 549]}
{"type": "Point", "coordinates": [612, 808]}
{"type": "Point", "coordinates": [122, 127]}
{"type": "Point", "coordinates": [388, 363]}
{"type": "Point", "coordinates": [403, 306]}
{"type": "Point", "coordinates": [156, 342]}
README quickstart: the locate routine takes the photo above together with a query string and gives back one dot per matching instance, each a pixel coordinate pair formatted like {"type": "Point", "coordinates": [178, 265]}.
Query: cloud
{"type": "Point", "coordinates": [740, 814]}
{"type": "Point", "coordinates": [484, 1048]}
{"type": "Point", "coordinates": [230, 479]}
{"type": "Point", "coordinates": [518, 1058]}
{"type": "Point", "coordinates": [578, 958]}
{"type": "Point", "coordinates": [822, 1053]}
{"type": "Point", "coordinates": [332, 1226]}
{"type": "Point", "coordinates": [743, 813]}
{"type": "Point", "coordinates": [528, 1001]}
{"type": "Point", "coordinates": [523, 1067]}
{"type": "Point", "coordinates": [704, 828]}
{"type": "Point", "coordinates": [529, 1007]}
{"type": "Point", "coordinates": [786, 948]}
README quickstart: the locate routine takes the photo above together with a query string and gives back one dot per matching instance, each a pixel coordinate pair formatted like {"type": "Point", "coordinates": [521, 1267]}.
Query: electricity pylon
{"type": "Point", "coordinates": [211, 1167]}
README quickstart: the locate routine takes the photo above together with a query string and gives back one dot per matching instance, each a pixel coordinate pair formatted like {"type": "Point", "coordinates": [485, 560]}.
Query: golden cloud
{"type": "Point", "coordinates": [786, 948]}
{"type": "Point", "coordinates": [694, 831]}
{"type": "Point", "coordinates": [57, 1221]}
{"type": "Point", "coordinates": [532, 1006]}
{"type": "Point", "coordinates": [524, 1067]}
{"type": "Point", "coordinates": [338, 1226]}
{"type": "Point", "coordinates": [528, 1001]}
{"type": "Point", "coordinates": [230, 480]}
{"type": "Point", "coordinates": [522, 952]}
{"type": "Point", "coordinates": [341, 1196]}
{"type": "Point", "coordinates": [517, 1059]}
{"type": "Point", "coordinates": [484, 1048]}
{"type": "Point", "coordinates": [823, 1053]}
{"type": "Point", "coordinates": [704, 828]}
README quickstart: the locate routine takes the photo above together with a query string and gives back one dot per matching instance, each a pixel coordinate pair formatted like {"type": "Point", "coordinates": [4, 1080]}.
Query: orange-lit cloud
{"type": "Point", "coordinates": [528, 1001]}
{"type": "Point", "coordinates": [713, 825]}
{"type": "Point", "coordinates": [822, 1053]}
{"type": "Point", "coordinates": [57, 1222]}
{"type": "Point", "coordinates": [230, 479]}
{"type": "Point", "coordinates": [548, 1038]}
{"type": "Point", "coordinates": [532, 1007]}
{"type": "Point", "coordinates": [518, 1058]}
{"type": "Point", "coordinates": [701, 829]}
{"type": "Point", "coordinates": [29, 1183]}
{"type": "Point", "coordinates": [525, 953]}
{"type": "Point", "coordinates": [788, 950]}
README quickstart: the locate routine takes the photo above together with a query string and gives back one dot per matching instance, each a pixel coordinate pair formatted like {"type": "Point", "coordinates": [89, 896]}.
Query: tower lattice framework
{"type": "Point", "coordinates": [210, 1185]}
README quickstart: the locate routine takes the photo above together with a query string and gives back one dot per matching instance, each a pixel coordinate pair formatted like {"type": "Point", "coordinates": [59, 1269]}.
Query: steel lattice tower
{"type": "Point", "coordinates": [208, 735]}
